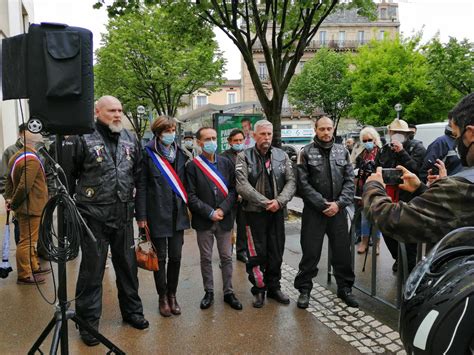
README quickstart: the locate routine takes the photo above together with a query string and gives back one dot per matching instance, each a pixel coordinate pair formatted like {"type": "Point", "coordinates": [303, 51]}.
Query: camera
{"type": "Point", "coordinates": [392, 176]}
{"type": "Point", "coordinates": [434, 168]}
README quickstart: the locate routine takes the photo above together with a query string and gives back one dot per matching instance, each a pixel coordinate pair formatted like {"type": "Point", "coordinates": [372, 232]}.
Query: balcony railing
{"type": "Point", "coordinates": [334, 44]}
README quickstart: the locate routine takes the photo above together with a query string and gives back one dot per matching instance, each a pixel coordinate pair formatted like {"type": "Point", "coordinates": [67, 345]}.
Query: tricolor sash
{"type": "Point", "coordinates": [169, 173]}
{"type": "Point", "coordinates": [212, 173]}
{"type": "Point", "coordinates": [26, 156]}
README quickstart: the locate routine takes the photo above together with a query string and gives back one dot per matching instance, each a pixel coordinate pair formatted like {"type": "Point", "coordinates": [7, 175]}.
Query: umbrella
{"type": "Point", "coordinates": [5, 267]}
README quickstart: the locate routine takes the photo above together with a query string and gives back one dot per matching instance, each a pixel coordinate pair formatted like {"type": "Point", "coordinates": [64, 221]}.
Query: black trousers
{"type": "Point", "coordinates": [166, 278]}
{"type": "Point", "coordinates": [265, 246]}
{"type": "Point", "coordinates": [392, 245]}
{"type": "Point", "coordinates": [91, 272]}
{"type": "Point", "coordinates": [314, 225]}
{"type": "Point", "coordinates": [241, 243]}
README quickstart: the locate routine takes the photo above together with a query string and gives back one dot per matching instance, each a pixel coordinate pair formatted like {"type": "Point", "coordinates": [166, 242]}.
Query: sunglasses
{"type": "Point", "coordinates": [367, 140]}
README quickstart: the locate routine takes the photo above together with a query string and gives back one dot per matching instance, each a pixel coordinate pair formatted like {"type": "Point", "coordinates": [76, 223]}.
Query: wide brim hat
{"type": "Point", "coordinates": [398, 125]}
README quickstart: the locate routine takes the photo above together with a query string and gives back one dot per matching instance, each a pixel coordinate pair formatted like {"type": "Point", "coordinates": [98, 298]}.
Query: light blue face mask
{"type": "Point", "coordinates": [238, 147]}
{"type": "Point", "coordinates": [168, 138]}
{"type": "Point", "coordinates": [210, 147]}
{"type": "Point", "coordinates": [369, 146]}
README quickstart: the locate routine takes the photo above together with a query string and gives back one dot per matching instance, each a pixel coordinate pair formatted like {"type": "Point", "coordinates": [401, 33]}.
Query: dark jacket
{"type": "Point", "coordinates": [155, 201]}
{"type": "Point", "coordinates": [251, 178]}
{"type": "Point", "coordinates": [204, 196]}
{"type": "Point", "coordinates": [230, 154]}
{"type": "Point", "coordinates": [313, 183]}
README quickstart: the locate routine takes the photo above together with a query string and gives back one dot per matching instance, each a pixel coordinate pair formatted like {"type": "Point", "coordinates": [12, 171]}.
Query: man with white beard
{"type": "Point", "coordinates": [104, 166]}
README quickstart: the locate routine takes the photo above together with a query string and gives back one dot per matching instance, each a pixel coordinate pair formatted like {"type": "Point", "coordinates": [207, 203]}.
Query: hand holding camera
{"type": "Point", "coordinates": [400, 176]}
{"type": "Point", "coordinates": [438, 171]}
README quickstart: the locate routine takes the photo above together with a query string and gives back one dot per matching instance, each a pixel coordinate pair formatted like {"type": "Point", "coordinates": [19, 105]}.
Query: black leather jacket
{"type": "Point", "coordinates": [314, 184]}
{"type": "Point", "coordinates": [251, 180]}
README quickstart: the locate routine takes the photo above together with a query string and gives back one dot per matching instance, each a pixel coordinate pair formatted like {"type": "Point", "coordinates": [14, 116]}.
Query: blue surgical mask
{"type": "Point", "coordinates": [238, 147]}
{"type": "Point", "coordinates": [210, 147]}
{"type": "Point", "coordinates": [168, 138]}
{"type": "Point", "coordinates": [188, 143]}
{"type": "Point", "coordinates": [369, 146]}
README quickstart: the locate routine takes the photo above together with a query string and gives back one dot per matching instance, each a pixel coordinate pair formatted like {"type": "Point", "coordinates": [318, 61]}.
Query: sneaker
{"type": "Point", "coordinates": [348, 298]}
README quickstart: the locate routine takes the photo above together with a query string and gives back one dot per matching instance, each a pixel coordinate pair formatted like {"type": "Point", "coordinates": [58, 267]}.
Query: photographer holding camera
{"type": "Point", "coordinates": [401, 151]}
{"type": "Point", "coordinates": [445, 206]}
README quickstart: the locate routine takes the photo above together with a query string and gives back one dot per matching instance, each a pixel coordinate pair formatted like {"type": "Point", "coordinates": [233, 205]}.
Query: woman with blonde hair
{"type": "Point", "coordinates": [370, 139]}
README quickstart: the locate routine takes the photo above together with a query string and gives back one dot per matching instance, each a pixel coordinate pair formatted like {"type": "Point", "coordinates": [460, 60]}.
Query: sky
{"type": "Point", "coordinates": [451, 18]}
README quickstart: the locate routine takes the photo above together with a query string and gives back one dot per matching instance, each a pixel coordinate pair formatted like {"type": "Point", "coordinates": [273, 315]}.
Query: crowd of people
{"type": "Point", "coordinates": [167, 189]}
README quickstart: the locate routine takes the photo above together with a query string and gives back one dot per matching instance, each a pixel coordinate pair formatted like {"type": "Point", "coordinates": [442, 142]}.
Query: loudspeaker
{"type": "Point", "coordinates": [59, 81]}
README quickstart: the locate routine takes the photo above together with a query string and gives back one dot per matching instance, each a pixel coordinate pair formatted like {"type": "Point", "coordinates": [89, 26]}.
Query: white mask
{"type": "Point", "coordinates": [399, 137]}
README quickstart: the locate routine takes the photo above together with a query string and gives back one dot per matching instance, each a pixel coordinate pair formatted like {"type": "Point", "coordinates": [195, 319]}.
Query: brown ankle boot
{"type": "Point", "coordinates": [164, 307]}
{"type": "Point", "coordinates": [174, 306]}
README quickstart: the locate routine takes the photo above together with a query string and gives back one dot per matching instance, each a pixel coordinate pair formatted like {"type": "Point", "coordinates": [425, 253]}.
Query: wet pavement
{"type": "Point", "coordinates": [326, 327]}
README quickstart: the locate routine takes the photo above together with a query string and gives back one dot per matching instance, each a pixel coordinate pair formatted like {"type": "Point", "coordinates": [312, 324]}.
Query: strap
{"type": "Point", "coordinates": [25, 156]}
{"type": "Point", "coordinates": [212, 173]}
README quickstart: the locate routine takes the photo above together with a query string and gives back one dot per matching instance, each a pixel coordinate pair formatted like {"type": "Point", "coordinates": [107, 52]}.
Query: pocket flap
{"type": "Point", "coordinates": [62, 44]}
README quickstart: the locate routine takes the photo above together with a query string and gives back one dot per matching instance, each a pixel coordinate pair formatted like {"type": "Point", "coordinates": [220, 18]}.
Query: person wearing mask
{"type": "Point", "coordinates": [326, 183]}
{"type": "Point", "coordinates": [409, 153]}
{"type": "Point", "coordinates": [365, 166]}
{"type": "Point", "coordinates": [161, 206]}
{"type": "Point", "coordinates": [266, 183]}
{"type": "Point", "coordinates": [435, 211]}
{"type": "Point", "coordinates": [26, 193]}
{"type": "Point", "coordinates": [210, 184]}
{"type": "Point", "coordinates": [444, 149]}
{"type": "Point", "coordinates": [236, 142]}
{"type": "Point", "coordinates": [189, 147]}
{"type": "Point", "coordinates": [106, 164]}
{"type": "Point", "coordinates": [350, 144]}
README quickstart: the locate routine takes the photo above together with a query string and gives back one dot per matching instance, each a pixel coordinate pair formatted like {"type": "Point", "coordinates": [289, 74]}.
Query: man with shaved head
{"type": "Point", "coordinates": [105, 165]}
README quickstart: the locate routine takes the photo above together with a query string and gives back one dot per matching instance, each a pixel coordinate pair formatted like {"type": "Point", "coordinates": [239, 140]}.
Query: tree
{"type": "Point", "coordinates": [156, 55]}
{"type": "Point", "coordinates": [394, 71]}
{"type": "Point", "coordinates": [323, 84]}
{"type": "Point", "coordinates": [452, 64]}
{"type": "Point", "coordinates": [281, 28]}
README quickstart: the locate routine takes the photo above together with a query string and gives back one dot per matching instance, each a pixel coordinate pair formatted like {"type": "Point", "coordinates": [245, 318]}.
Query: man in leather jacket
{"type": "Point", "coordinates": [105, 165]}
{"type": "Point", "coordinates": [326, 183]}
{"type": "Point", "coordinates": [266, 183]}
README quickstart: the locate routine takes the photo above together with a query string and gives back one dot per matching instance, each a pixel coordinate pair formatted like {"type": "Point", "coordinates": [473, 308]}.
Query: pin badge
{"type": "Point", "coordinates": [90, 192]}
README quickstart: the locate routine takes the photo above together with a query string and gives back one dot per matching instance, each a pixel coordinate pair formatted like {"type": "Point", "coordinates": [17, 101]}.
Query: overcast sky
{"type": "Point", "coordinates": [451, 18]}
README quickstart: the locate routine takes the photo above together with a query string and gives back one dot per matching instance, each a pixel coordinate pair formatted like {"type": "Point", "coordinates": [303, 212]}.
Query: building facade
{"type": "Point", "coordinates": [15, 17]}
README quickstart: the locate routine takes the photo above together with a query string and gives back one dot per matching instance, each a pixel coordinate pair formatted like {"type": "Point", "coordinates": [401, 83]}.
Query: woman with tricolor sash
{"type": "Point", "coordinates": [161, 206]}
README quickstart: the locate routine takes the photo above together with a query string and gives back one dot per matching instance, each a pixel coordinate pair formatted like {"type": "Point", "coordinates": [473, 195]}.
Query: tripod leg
{"type": "Point", "coordinates": [56, 337]}
{"type": "Point", "coordinates": [84, 325]}
{"type": "Point", "coordinates": [42, 337]}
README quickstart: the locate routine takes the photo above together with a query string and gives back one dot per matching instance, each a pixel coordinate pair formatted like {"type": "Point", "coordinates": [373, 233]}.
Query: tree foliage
{"type": "Point", "coordinates": [394, 71]}
{"type": "Point", "coordinates": [156, 55]}
{"type": "Point", "coordinates": [452, 64]}
{"type": "Point", "coordinates": [323, 84]}
{"type": "Point", "coordinates": [281, 29]}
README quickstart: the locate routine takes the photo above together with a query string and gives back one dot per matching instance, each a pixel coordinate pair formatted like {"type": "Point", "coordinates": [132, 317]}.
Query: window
{"type": "Point", "coordinates": [342, 38]}
{"type": "Point", "coordinates": [262, 70]}
{"type": "Point", "coordinates": [381, 35]}
{"type": "Point", "coordinates": [201, 100]}
{"type": "Point", "coordinates": [322, 37]}
{"type": "Point", "coordinates": [383, 13]}
{"type": "Point", "coordinates": [231, 98]}
{"type": "Point", "coordinates": [361, 37]}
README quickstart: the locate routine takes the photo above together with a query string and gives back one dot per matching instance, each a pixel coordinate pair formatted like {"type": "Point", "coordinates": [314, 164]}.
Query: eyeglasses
{"type": "Point", "coordinates": [367, 140]}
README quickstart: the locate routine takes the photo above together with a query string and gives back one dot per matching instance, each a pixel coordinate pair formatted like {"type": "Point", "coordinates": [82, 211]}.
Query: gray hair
{"type": "Point", "coordinates": [262, 123]}
{"type": "Point", "coordinates": [370, 131]}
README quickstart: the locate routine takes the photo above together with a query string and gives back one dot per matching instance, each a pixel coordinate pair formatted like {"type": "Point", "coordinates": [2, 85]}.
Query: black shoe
{"type": "Point", "coordinates": [303, 300]}
{"type": "Point", "coordinates": [395, 266]}
{"type": "Point", "coordinates": [136, 321]}
{"type": "Point", "coordinates": [259, 300]}
{"type": "Point", "coordinates": [88, 339]}
{"type": "Point", "coordinates": [208, 300]}
{"type": "Point", "coordinates": [232, 301]}
{"type": "Point", "coordinates": [278, 296]}
{"type": "Point", "coordinates": [348, 298]}
{"type": "Point", "coordinates": [242, 257]}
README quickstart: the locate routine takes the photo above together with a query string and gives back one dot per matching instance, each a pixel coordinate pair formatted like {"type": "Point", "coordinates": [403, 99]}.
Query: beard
{"type": "Point", "coordinates": [115, 127]}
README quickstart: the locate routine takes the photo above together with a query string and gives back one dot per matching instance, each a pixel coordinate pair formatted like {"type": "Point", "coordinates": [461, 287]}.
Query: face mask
{"type": "Point", "coordinates": [463, 150]}
{"type": "Point", "coordinates": [188, 144]}
{"type": "Point", "coordinates": [398, 137]}
{"type": "Point", "coordinates": [369, 146]}
{"type": "Point", "coordinates": [238, 147]}
{"type": "Point", "coordinates": [210, 147]}
{"type": "Point", "coordinates": [168, 138]}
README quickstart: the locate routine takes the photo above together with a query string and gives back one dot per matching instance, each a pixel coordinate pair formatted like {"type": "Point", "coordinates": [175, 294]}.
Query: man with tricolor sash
{"type": "Point", "coordinates": [210, 182]}
{"type": "Point", "coordinates": [266, 183]}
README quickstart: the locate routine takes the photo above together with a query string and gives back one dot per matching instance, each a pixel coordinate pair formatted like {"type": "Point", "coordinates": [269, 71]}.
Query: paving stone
{"type": "Point", "coordinates": [384, 329]}
{"type": "Point", "coordinates": [330, 324]}
{"type": "Point", "coordinates": [323, 319]}
{"type": "Point", "coordinates": [399, 342]}
{"type": "Point", "coordinates": [323, 300]}
{"type": "Point", "coordinates": [374, 335]}
{"type": "Point", "coordinates": [364, 350]}
{"type": "Point", "coordinates": [378, 349]}
{"type": "Point", "coordinates": [358, 323]}
{"type": "Point", "coordinates": [317, 314]}
{"type": "Point", "coordinates": [393, 347]}
{"type": "Point", "coordinates": [338, 331]}
{"type": "Point", "coordinates": [368, 342]}
{"type": "Point", "coordinates": [350, 318]}
{"type": "Point", "coordinates": [393, 335]}
{"type": "Point", "coordinates": [402, 352]}
{"type": "Point", "coordinates": [329, 304]}
{"type": "Point", "coordinates": [347, 337]}
{"type": "Point", "coordinates": [311, 309]}
{"type": "Point", "coordinates": [352, 310]}
{"type": "Point", "coordinates": [341, 323]}
{"type": "Point", "coordinates": [341, 313]}
{"type": "Point", "coordinates": [359, 335]}
{"type": "Point", "coordinates": [359, 314]}
{"type": "Point", "coordinates": [334, 318]}
{"type": "Point", "coordinates": [375, 324]}
{"type": "Point", "coordinates": [383, 341]}
{"type": "Point", "coordinates": [356, 344]}
{"type": "Point", "coordinates": [366, 329]}
{"type": "Point", "coordinates": [326, 292]}
{"type": "Point", "coordinates": [368, 319]}
{"type": "Point", "coordinates": [349, 329]}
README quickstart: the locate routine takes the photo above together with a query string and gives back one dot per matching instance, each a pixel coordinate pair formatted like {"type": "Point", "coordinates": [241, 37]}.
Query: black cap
{"type": "Point", "coordinates": [188, 134]}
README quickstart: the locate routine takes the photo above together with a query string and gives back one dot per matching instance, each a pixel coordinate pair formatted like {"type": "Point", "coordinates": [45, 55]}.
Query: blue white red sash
{"type": "Point", "coordinates": [212, 173]}
{"type": "Point", "coordinates": [169, 173]}
{"type": "Point", "coordinates": [25, 156]}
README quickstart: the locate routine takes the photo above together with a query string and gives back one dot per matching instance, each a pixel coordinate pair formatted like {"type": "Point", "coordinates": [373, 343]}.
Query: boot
{"type": "Point", "coordinates": [363, 245]}
{"type": "Point", "coordinates": [174, 306]}
{"type": "Point", "coordinates": [164, 307]}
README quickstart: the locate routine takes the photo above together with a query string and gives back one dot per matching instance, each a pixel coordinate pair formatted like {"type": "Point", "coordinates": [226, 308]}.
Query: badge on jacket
{"type": "Point", "coordinates": [98, 151]}
{"type": "Point", "coordinates": [90, 192]}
